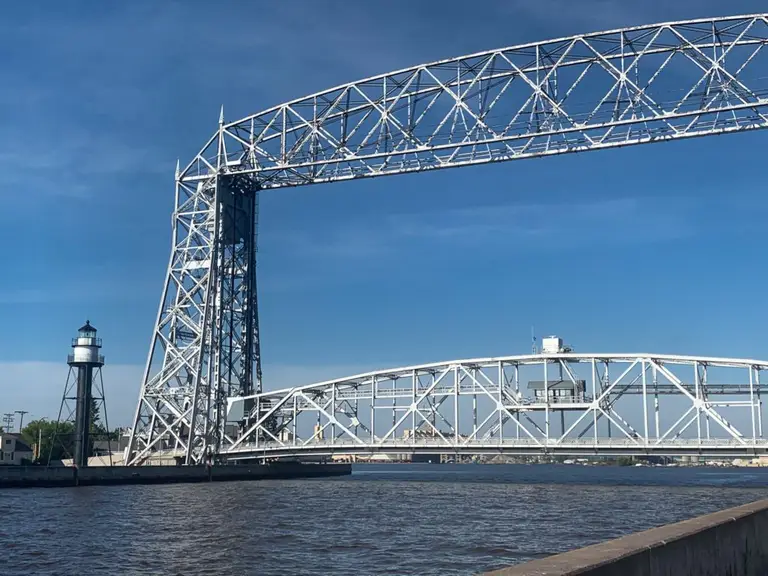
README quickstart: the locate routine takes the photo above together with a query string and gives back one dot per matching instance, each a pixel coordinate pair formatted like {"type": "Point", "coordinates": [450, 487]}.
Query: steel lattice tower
{"type": "Point", "coordinates": [205, 346]}
{"type": "Point", "coordinates": [598, 91]}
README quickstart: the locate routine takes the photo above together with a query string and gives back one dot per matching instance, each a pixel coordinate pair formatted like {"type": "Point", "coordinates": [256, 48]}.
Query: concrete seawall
{"type": "Point", "coordinates": [43, 477]}
{"type": "Point", "coordinates": [732, 542]}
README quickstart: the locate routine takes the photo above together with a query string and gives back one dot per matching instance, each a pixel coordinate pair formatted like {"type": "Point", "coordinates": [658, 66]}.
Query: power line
{"type": "Point", "coordinates": [8, 421]}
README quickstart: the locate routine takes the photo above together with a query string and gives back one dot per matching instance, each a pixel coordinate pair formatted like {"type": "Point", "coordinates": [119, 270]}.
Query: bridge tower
{"type": "Point", "coordinates": [205, 345]}
{"type": "Point", "coordinates": [204, 354]}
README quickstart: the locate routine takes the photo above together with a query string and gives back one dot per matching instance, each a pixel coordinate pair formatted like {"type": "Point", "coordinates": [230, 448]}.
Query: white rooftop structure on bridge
{"type": "Point", "coordinates": [552, 345]}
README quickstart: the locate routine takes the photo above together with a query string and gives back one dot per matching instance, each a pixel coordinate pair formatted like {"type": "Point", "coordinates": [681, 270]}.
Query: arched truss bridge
{"type": "Point", "coordinates": [568, 403]}
{"type": "Point", "coordinates": [564, 403]}
{"type": "Point", "coordinates": [588, 92]}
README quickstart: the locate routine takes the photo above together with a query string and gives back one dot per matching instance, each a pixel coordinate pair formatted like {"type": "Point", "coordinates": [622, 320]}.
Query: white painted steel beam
{"type": "Point", "coordinates": [645, 84]}
{"type": "Point", "coordinates": [468, 407]}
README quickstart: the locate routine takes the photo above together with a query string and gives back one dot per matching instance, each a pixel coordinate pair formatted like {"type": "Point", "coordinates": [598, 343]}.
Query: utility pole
{"type": "Point", "coordinates": [8, 421]}
{"type": "Point", "coordinates": [21, 420]}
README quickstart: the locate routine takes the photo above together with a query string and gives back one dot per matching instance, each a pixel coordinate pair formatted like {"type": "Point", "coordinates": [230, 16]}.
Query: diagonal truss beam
{"type": "Point", "coordinates": [588, 92]}
{"type": "Point", "coordinates": [585, 92]}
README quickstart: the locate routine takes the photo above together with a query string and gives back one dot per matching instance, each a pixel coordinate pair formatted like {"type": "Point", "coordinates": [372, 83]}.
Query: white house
{"type": "Point", "coordinates": [13, 450]}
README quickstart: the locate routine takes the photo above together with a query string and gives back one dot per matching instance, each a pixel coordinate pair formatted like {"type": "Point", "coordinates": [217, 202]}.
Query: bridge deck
{"type": "Point", "coordinates": [522, 446]}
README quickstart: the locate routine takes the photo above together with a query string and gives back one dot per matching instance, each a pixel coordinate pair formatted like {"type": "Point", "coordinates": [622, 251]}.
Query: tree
{"type": "Point", "coordinates": [56, 442]}
{"type": "Point", "coordinates": [99, 430]}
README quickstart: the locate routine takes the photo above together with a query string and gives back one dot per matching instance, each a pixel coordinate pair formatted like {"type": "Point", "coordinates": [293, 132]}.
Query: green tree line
{"type": "Point", "coordinates": [57, 441]}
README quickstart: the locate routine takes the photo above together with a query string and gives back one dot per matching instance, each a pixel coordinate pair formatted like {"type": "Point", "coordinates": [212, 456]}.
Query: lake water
{"type": "Point", "coordinates": [384, 519]}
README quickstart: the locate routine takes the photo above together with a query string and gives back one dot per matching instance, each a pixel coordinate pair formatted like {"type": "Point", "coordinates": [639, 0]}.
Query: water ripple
{"type": "Point", "coordinates": [424, 520]}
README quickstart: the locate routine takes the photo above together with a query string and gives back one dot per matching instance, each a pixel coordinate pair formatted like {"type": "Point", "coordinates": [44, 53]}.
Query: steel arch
{"type": "Point", "coordinates": [586, 92]}
{"type": "Point", "coordinates": [404, 410]}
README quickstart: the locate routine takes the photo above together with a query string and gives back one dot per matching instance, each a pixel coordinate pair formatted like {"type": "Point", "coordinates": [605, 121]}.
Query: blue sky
{"type": "Point", "coordinates": [655, 248]}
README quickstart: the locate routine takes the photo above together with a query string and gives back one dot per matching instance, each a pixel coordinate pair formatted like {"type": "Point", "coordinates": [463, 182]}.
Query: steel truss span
{"type": "Point", "coordinates": [589, 92]}
{"type": "Point", "coordinates": [601, 90]}
{"type": "Point", "coordinates": [576, 404]}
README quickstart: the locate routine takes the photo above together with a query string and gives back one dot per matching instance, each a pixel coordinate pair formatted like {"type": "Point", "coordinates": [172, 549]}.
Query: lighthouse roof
{"type": "Point", "coordinates": [87, 327]}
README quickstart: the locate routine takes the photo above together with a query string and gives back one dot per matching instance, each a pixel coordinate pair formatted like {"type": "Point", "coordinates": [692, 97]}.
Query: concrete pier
{"type": "Point", "coordinates": [732, 542]}
{"type": "Point", "coordinates": [44, 477]}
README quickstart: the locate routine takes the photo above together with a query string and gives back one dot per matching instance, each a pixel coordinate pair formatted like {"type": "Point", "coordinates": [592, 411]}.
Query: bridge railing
{"type": "Point", "coordinates": [464, 444]}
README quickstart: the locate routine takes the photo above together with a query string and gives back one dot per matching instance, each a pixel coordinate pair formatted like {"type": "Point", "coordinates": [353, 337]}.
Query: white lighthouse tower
{"type": "Point", "coordinates": [84, 385]}
{"type": "Point", "coordinates": [86, 348]}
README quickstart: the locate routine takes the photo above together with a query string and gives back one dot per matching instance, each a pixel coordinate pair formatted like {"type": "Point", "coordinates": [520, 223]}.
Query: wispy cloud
{"type": "Point", "coordinates": [21, 296]}
{"type": "Point", "coordinates": [587, 16]}
{"type": "Point", "coordinates": [594, 14]}
{"type": "Point", "coordinates": [90, 288]}
{"type": "Point", "coordinates": [542, 227]}
{"type": "Point", "coordinates": [79, 165]}
{"type": "Point", "coordinates": [101, 106]}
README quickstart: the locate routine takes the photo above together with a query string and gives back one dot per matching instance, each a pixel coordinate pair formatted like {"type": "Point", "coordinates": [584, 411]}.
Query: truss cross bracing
{"type": "Point", "coordinates": [576, 404]}
{"type": "Point", "coordinates": [589, 92]}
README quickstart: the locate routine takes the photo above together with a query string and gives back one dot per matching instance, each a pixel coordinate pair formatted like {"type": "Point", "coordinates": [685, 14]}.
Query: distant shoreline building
{"type": "Point", "coordinates": [14, 451]}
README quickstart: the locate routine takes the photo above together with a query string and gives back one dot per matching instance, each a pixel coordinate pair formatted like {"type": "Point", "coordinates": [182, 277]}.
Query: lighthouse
{"type": "Point", "coordinates": [85, 360]}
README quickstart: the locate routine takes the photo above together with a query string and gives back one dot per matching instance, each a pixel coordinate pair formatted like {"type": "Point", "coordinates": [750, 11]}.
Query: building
{"type": "Point", "coordinates": [13, 450]}
{"type": "Point", "coordinates": [562, 391]}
